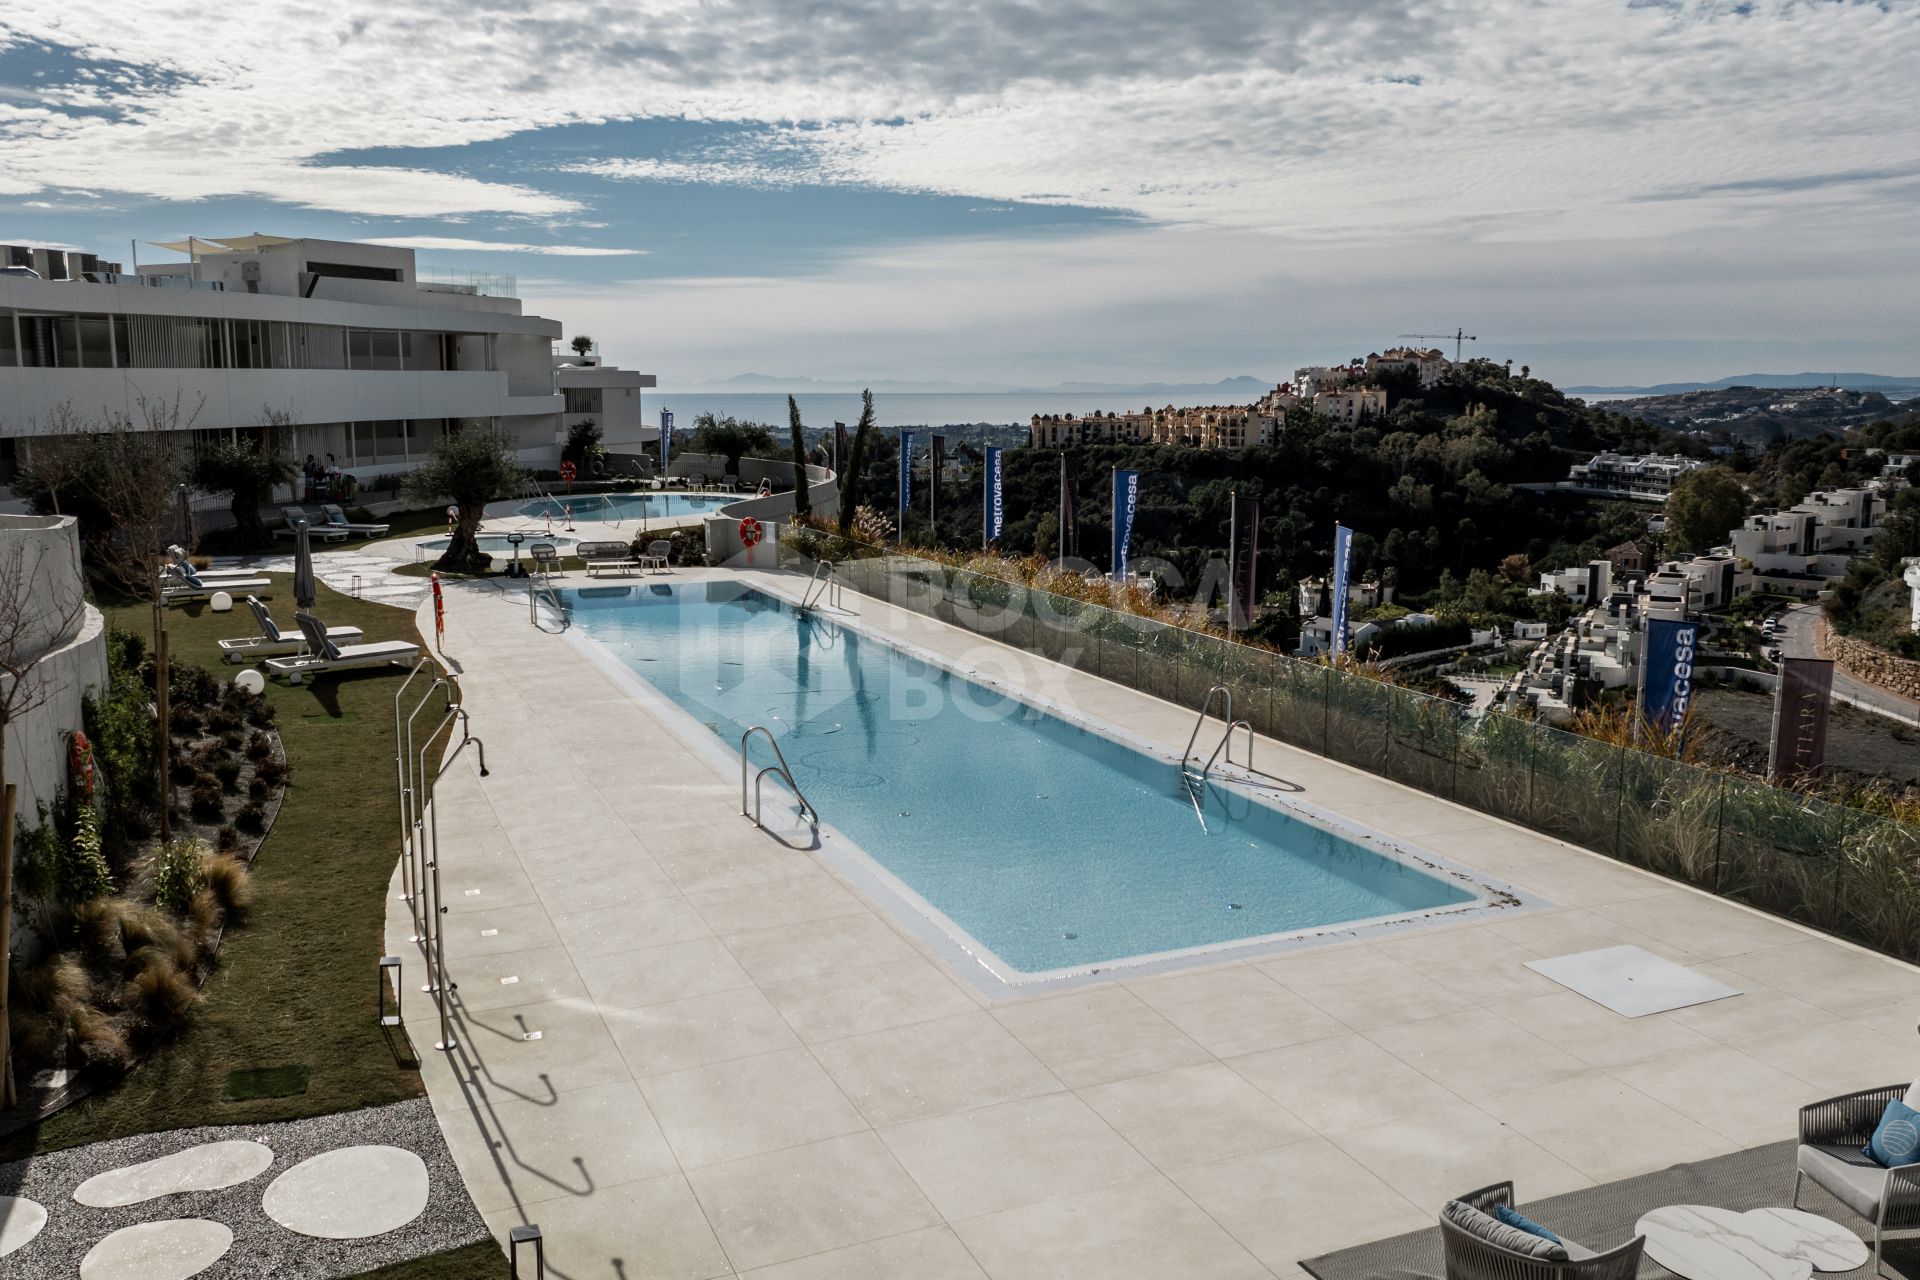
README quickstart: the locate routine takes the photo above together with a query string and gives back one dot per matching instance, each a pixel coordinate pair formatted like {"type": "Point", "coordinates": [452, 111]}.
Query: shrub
{"type": "Point", "coordinates": [272, 771]}
{"type": "Point", "coordinates": [81, 874]}
{"type": "Point", "coordinates": [184, 722]}
{"type": "Point", "coordinates": [228, 772]}
{"type": "Point", "coordinates": [177, 873]}
{"type": "Point", "coordinates": [209, 802]}
{"type": "Point", "coordinates": [229, 838]}
{"type": "Point", "coordinates": [93, 927]}
{"type": "Point", "coordinates": [52, 986]}
{"type": "Point", "coordinates": [261, 712]}
{"type": "Point", "coordinates": [258, 792]}
{"type": "Point", "coordinates": [183, 771]}
{"type": "Point", "coordinates": [232, 739]}
{"type": "Point", "coordinates": [259, 745]}
{"type": "Point", "coordinates": [187, 686]}
{"type": "Point", "coordinates": [160, 990]}
{"type": "Point", "coordinates": [98, 1044]}
{"type": "Point", "coordinates": [224, 719]}
{"type": "Point", "coordinates": [203, 918]}
{"type": "Point", "coordinates": [143, 927]}
{"type": "Point", "coordinates": [252, 819]}
{"type": "Point", "coordinates": [229, 881]}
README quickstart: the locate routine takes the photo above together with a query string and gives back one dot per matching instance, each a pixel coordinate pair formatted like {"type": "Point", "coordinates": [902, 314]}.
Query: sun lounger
{"type": "Point", "coordinates": [315, 528]}
{"type": "Point", "coordinates": [274, 641]}
{"type": "Point", "coordinates": [324, 655]}
{"type": "Point", "coordinates": [207, 587]}
{"type": "Point", "coordinates": [337, 519]}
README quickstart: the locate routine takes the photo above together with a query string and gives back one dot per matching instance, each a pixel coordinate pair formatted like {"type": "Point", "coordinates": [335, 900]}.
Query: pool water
{"type": "Point", "coordinates": [1051, 845]}
{"type": "Point", "coordinates": [628, 506]}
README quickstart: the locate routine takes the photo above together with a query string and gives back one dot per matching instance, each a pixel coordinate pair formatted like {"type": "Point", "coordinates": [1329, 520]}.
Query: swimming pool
{"type": "Point", "coordinates": [1043, 847]}
{"type": "Point", "coordinates": [628, 506]}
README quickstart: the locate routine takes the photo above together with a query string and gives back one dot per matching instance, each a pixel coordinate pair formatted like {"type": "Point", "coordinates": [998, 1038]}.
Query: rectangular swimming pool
{"type": "Point", "coordinates": [1041, 846]}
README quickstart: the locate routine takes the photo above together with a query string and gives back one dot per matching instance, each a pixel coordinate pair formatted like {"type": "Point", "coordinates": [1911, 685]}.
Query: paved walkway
{"type": "Point", "coordinates": [1803, 633]}
{"type": "Point", "coordinates": [688, 1051]}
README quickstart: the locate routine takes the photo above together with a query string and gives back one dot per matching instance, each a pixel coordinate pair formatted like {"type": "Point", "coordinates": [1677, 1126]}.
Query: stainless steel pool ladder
{"type": "Point", "coordinates": [786, 775]}
{"type": "Point", "coordinates": [1226, 739]}
{"type": "Point", "coordinates": [825, 586]}
{"type": "Point", "coordinates": [539, 583]}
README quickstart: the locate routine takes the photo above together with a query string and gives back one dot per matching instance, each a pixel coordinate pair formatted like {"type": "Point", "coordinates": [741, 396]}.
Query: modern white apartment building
{"type": "Point", "coordinates": [1799, 550]}
{"type": "Point", "coordinates": [611, 397]}
{"type": "Point", "coordinates": [1643, 477]}
{"type": "Point", "coordinates": [344, 346]}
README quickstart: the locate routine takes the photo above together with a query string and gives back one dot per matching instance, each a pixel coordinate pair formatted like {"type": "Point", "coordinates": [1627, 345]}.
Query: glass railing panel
{"type": "Point", "coordinates": [1575, 785]}
{"type": "Point", "coordinates": [1297, 703]}
{"type": "Point", "coordinates": [1425, 740]}
{"type": "Point", "coordinates": [1785, 852]}
{"type": "Point", "coordinates": [1359, 720]}
{"type": "Point", "coordinates": [1669, 819]}
{"type": "Point", "coordinates": [1878, 888]}
{"type": "Point", "coordinates": [1493, 766]}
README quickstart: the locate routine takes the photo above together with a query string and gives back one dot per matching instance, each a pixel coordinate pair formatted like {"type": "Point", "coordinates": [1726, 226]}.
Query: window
{"type": "Point", "coordinates": [352, 271]}
{"type": "Point", "coordinates": [96, 344]}
{"type": "Point", "coordinates": [9, 348]}
{"type": "Point", "coordinates": [582, 399]}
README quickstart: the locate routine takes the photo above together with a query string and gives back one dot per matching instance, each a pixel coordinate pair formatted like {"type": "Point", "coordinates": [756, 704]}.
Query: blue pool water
{"type": "Point", "coordinates": [628, 506]}
{"type": "Point", "coordinates": [1052, 845]}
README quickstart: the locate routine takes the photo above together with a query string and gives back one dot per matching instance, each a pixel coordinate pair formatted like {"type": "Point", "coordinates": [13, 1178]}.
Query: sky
{"type": "Point", "coordinates": [1025, 192]}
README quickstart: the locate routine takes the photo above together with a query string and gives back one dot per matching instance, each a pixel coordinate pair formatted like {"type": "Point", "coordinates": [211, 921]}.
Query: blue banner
{"type": "Point", "coordinates": [666, 438]}
{"type": "Point", "coordinates": [906, 476]}
{"type": "Point", "coordinates": [1126, 505]}
{"type": "Point", "coordinates": [1666, 689]}
{"type": "Point", "coordinates": [1342, 563]}
{"type": "Point", "coordinates": [996, 511]}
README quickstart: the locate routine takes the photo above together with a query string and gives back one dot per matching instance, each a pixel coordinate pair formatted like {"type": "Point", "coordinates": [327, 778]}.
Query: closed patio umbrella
{"type": "Point", "coordinates": [305, 594]}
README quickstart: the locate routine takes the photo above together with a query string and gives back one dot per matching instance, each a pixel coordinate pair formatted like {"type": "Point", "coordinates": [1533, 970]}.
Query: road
{"type": "Point", "coordinates": [1796, 640]}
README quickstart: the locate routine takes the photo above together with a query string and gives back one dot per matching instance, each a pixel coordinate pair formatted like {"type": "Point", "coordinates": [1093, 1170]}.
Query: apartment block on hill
{"type": "Point", "coordinates": [1799, 550]}
{"type": "Point", "coordinates": [1637, 477]}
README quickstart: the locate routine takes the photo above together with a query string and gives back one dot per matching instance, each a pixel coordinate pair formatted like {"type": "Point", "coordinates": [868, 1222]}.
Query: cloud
{"type": "Point", "coordinates": [455, 243]}
{"type": "Point", "coordinates": [1323, 118]}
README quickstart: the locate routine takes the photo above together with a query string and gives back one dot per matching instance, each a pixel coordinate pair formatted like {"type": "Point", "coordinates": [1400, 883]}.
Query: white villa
{"type": "Point", "coordinates": [358, 354]}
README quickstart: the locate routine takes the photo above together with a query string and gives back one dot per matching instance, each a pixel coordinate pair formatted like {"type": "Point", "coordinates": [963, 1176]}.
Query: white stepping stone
{"type": "Point", "coordinates": [349, 1194]}
{"type": "Point", "coordinates": [207, 1167]}
{"type": "Point", "coordinates": [20, 1221]}
{"type": "Point", "coordinates": [170, 1250]}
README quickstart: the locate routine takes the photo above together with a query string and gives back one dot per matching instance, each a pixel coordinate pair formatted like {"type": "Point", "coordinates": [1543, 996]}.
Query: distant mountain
{"type": "Point", "coordinates": [1243, 387]}
{"type": "Point", "coordinates": [1889, 384]}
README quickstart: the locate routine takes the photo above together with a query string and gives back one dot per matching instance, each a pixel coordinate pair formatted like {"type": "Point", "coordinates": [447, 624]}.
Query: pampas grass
{"type": "Point", "coordinates": [231, 884]}
{"type": "Point", "coordinates": [160, 990]}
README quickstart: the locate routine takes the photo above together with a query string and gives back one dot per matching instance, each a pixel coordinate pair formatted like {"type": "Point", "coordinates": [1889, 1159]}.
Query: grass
{"type": "Point", "coordinates": [296, 983]}
{"type": "Point", "coordinates": [482, 1261]}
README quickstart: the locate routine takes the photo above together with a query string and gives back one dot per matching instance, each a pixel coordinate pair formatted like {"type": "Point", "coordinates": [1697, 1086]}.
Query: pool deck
{"type": "Point", "coordinates": [742, 1067]}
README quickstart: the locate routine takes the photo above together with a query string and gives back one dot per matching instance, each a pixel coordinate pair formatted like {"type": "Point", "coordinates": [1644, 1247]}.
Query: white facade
{"type": "Point", "coordinates": [1799, 550]}
{"type": "Point", "coordinates": [366, 362]}
{"type": "Point", "coordinates": [607, 395]}
{"type": "Point", "coordinates": [1647, 477]}
{"type": "Point", "coordinates": [1582, 583]}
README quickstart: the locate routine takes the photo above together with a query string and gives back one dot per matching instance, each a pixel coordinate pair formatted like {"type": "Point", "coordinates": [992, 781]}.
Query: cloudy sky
{"type": "Point", "coordinates": [1030, 191]}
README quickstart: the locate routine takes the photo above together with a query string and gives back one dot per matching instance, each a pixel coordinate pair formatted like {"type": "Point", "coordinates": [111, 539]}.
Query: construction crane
{"type": "Point", "coordinates": [1457, 337]}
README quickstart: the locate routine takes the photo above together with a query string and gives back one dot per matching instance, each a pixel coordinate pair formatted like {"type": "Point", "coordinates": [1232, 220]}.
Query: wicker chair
{"type": "Point", "coordinates": [1471, 1258]}
{"type": "Point", "coordinates": [1831, 1136]}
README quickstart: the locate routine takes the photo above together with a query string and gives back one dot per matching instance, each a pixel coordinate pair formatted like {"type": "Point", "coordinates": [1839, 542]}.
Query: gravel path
{"type": "Point", "coordinates": [261, 1247]}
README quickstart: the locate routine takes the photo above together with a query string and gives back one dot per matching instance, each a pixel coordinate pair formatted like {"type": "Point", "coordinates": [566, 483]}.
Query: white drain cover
{"type": "Point", "coordinates": [1632, 981]}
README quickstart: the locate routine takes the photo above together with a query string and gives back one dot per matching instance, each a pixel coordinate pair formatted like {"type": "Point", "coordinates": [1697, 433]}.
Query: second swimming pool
{"type": "Point", "coordinates": [1046, 847]}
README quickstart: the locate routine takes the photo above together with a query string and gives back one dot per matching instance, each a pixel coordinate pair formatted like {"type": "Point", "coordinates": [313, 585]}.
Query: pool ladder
{"type": "Point", "coordinates": [786, 775]}
{"type": "Point", "coordinates": [1226, 739]}
{"type": "Point", "coordinates": [824, 587]}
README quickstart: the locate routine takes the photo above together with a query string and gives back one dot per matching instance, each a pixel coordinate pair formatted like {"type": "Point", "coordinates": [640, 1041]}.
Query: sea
{"type": "Point", "coordinates": [821, 409]}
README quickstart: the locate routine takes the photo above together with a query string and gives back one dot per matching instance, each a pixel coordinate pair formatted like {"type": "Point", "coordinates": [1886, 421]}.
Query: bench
{"type": "Point", "coordinates": [606, 555]}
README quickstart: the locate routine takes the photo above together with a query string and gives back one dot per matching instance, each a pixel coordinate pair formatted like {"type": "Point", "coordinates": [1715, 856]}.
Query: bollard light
{"type": "Point", "coordinates": [388, 963]}
{"type": "Point", "coordinates": [250, 681]}
{"type": "Point", "coordinates": [528, 1234]}
{"type": "Point", "coordinates": [220, 602]}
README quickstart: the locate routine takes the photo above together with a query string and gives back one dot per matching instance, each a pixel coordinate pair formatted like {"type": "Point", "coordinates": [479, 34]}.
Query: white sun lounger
{"type": "Point", "coordinates": [274, 641]}
{"type": "Point", "coordinates": [337, 519]}
{"type": "Point", "coordinates": [324, 655]}
{"type": "Point", "coordinates": [179, 566]}
{"type": "Point", "coordinates": [207, 587]}
{"type": "Point", "coordinates": [315, 528]}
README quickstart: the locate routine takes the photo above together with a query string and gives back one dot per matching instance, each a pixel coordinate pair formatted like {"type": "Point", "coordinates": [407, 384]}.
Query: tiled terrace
{"type": "Point", "coordinates": [743, 1067]}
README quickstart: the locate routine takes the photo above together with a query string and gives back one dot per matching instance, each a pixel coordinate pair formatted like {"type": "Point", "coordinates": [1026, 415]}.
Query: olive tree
{"type": "Point", "coordinates": [247, 470]}
{"type": "Point", "coordinates": [472, 465]}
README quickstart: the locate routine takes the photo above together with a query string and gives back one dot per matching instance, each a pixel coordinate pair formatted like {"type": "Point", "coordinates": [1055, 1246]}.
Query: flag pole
{"type": "Point", "coordinates": [1060, 529]}
{"type": "Point", "coordinates": [1233, 557]}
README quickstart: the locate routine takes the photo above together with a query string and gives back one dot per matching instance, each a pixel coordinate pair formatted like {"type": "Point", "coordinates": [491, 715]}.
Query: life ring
{"type": "Point", "coordinates": [568, 471]}
{"type": "Point", "coordinates": [750, 533]}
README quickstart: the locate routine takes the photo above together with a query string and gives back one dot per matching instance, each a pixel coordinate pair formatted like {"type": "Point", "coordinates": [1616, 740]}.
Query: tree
{"type": "Point", "coordinates": [802, 505]}
{"type": "Point", "coordinates": [1704, 505]}
{"type": "Point", "coordinates": [584, 444]}
{"type": "Point", "coordinates": [58, 461]}
{"type": "Point", "coordinates": [1517, 568]}
{"type": "Point", "coordinates": [247, 471]}
{"type": "Point", "coordinates": [472, 465]}
{"type": "Point", "coordinates": [139, 483]}
{"type": "Point", "coordinates": [856, 457]}
{"type": "Point", "coordinates": [41, 605]}
{"type": "Point", "coordinates": [730, 438]}
{"type": "Point", "coordinates": [581, 344]}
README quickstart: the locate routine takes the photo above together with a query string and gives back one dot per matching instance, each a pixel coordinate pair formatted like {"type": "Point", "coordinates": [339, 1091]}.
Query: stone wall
{"type": "Point", "coordinates": [1874, 665]}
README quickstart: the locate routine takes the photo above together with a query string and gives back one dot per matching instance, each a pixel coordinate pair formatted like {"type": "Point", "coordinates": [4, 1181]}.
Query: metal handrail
{"type": "Point", "coordinates": [1201, 719]}
{"type": "Point", "coordinates": [818, 588]}
{"type": "Point", "coordinates": [438, 959]}
{"type": "Point", "coordinates": [539, 579]}
{"type": "Point", "coordinates": [1226, 744]}
{"type": "Point", "coordinates": [786, 774]}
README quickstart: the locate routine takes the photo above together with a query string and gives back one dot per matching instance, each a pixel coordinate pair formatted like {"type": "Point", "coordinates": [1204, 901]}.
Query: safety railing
{"type": "Point", "coordinates": [540, 588]}
{"type": "Point", "coordinates": [780, 767]}
{"type": "Point", "coordinates": [1226, 744]}
{"type": "Point", "coordinates": [825, 586]}
{"type": "Point", "coordinates": [1206, 705]}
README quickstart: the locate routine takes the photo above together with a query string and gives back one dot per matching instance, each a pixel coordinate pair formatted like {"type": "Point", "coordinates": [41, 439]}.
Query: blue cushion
{"type": "Point", "coordinates": [1897, 1140]}
{"type": "Point", "coordinates": [1524, 1223]}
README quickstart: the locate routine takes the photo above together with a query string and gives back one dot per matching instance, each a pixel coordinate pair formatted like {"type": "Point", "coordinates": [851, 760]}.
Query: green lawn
{"type": "Point", "coordinates": [296, 984]}
{"type": "Point", "coordinates": [482, 1261]}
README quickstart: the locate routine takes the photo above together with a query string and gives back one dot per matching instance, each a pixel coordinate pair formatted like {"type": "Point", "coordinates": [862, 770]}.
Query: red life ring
{"type": "Point", "coordinates": [750, 533]}
{"type": "Point", "coordinates": [568, 471]}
